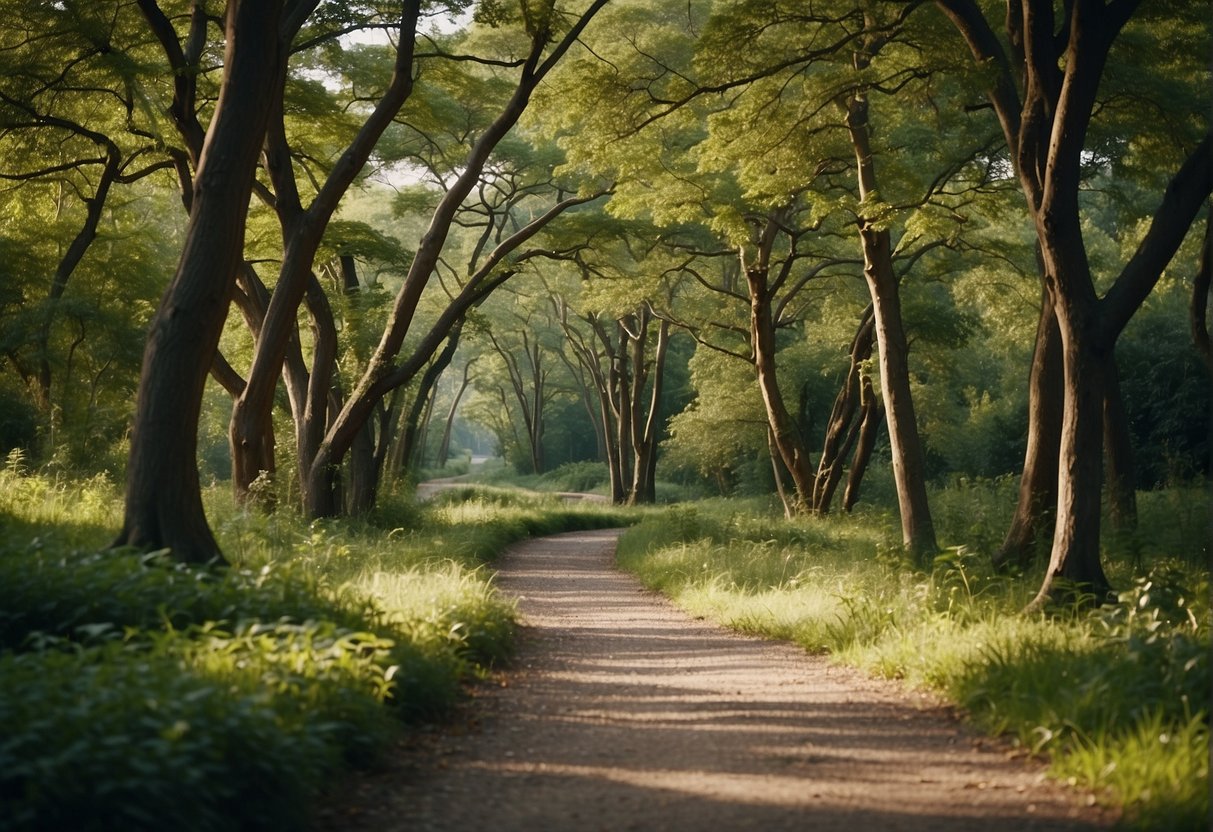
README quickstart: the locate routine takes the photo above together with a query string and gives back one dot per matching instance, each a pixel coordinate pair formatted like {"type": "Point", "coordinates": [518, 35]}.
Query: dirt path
{"type": "Point", "coordinates": [623, 713]}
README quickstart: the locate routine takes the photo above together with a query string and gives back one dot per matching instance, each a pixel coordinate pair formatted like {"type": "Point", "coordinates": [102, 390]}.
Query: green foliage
{"type": "Point", "coordinates": [136, 738]}
{"type": "Point", "coordinates": [140, 694]}
{"type": "Point", "coordinates": [1168, 400]}
{"type": "Point", "coordinates": [1116, 698]}
{"type": "Point", "coordinates": [1135, 714]}
{"type": "Point", "coordinates": [583, 477]}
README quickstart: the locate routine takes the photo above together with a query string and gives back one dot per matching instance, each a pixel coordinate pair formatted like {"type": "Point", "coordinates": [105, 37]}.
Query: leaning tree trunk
{"type": "Point", "coordinates": [785, 433]}
{"type": "Point", "coordinates": [1033, 518]}
{"type": "Point", "coordinates": [406, 451]}
{"type": "Point", "coordinates": [163, 496]}
{"type": "Point", "coordinates": [71, 259]}
{"type": "Point", "coordinates": [869, 427]}
{"type": "Point", "coordinates": [444, 446]}
{"type": "Point", "coordinates": [843, 428]}
{"type": "Point", "coordinates": [788, 501]}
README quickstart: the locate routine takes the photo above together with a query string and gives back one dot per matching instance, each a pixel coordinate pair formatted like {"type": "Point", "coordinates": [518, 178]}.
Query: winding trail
{"type": "Point", "coordinates": [624, 713]}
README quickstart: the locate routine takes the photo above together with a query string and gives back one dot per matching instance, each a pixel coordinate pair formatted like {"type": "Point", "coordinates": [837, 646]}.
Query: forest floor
{"type": "Point", "coordinates": [621, 712]}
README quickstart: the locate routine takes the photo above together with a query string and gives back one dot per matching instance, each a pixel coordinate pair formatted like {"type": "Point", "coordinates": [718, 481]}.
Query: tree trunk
{"type": "Point", "coordinates": [1075, 572]}
{"type": "Point", "coordinates": [644, 482]}
{"type": "Point", "coordinates": [444, 447]}
{"type": "Point", "coordinates": [1120, 474]}
{"type": "Point", "coordinates": [1033, 519]}
{"type": "Point", "coordinates": [163, 495]}
{"type": "Point", "coordinates": [785, 434]}
{"type": "Point", "coordinates": [909, 468]}
{"type": "Point", "coordinates": [843, 428]}
{"type": "Point", "coordinates": [869, 428]}
{"type": "Point", "coordinates": [420, 454]}
{"type": "Point", "coordinates": [777, 474]}
{"type": "Point", "coordinates": [538, 422]}
{"type": "Point", "coordinates": [71, 259]}
{"type": "Point", "coordinates": [362, 482]}
{"type": "Point", "coordinates": [622, 406]}
{"type": "Point", "coordinates": [614, 454]}
{"type": "Point", "coordinates": [424, 395]}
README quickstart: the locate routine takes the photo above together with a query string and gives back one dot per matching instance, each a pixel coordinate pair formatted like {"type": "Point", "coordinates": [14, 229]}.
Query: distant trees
{"type": "Point", "coordinates": [548, 37]}
{"type": "Point", "coordinates": [73, 136]}
{"type": "Point", "coordinates": [782, 196]}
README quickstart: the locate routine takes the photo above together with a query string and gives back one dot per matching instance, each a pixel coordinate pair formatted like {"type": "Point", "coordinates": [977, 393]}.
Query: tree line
{"type": "Point", "coordinates": [571, 201]}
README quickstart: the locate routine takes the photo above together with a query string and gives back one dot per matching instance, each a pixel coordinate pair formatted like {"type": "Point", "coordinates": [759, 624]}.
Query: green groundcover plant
{"type": "Point", "coordinates": [140, 694]}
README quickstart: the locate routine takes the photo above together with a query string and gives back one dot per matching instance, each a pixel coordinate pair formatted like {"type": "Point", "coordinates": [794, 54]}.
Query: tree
{"type": "Point", "coordinates": [545, 45]}
{"type": "Point", "coordinates": [1043, 90]}
{"type": "Point", "coordinates": [163, 499]}
{"type": "Point", "coordinates": [71, 131]}
{"type": "Point", "coordinates": [612, 351]}
{"type": "Point", "coordinates": [302, 232]}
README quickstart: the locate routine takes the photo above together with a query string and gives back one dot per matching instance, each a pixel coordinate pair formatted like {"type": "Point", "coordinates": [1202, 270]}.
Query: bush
{"type": "Point", "coordinates": [49, 593]}
{"type": "Point", "coordinates": [193, 731]}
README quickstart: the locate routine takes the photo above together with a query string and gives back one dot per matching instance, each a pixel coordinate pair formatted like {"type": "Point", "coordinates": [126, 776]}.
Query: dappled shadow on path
{"type": "Point", "coordinates": [623, 713]}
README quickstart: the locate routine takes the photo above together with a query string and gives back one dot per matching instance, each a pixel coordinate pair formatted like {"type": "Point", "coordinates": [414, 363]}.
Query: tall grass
{"type": "Point", "coordinates": [139, 694]}
{"type": "Point", "coordinates": [1117, 699]}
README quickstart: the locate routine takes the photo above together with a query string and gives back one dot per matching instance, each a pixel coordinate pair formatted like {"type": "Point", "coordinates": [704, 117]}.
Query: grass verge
{"type": "Point", "coordinates": [1116, 699]}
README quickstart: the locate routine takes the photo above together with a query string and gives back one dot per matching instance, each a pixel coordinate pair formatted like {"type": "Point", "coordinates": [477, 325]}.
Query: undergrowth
{"type": "Point", "coordinates": [140, 694]}
{"type": "Point", "coordinates": [1117, 699]}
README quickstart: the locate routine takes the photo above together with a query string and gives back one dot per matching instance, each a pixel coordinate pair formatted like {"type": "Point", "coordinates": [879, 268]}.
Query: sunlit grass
{"type": "Point", "coordinates": [449, 604]}
{"type": "Point", "coordinates": [56, 509]}
{"type": "Point", "coordinates": [1117, 699]}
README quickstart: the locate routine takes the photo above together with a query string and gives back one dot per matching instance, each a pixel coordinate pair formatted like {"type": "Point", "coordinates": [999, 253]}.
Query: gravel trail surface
{"type": "Point", "coordinates": [622, 712]}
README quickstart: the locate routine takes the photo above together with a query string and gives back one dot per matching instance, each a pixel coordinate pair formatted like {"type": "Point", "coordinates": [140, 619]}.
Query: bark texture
{"type": "Point", "coordinates": [909, 466]}
{"type": "Point", "coordinates": [1034, 510]}
{"type": "Point", "coordinates": [163, 499]}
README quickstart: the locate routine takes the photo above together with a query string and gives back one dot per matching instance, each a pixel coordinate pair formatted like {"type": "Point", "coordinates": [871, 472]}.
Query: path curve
{"type": "Point", "coordinates": [624, 713]}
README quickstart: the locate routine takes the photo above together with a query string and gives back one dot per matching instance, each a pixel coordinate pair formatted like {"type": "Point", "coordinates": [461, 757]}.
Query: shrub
{"type": "Point", "coordinates": [216, 732]}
